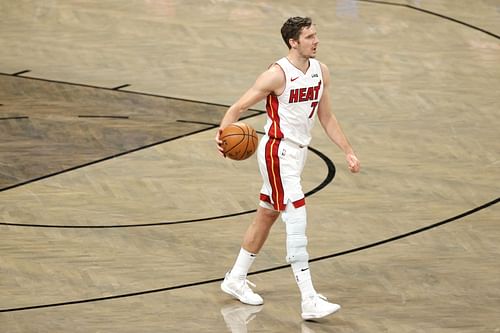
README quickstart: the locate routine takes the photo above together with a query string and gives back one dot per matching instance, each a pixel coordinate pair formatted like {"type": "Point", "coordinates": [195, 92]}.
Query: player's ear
{"type": "Point", "coordinates": [293, 43]}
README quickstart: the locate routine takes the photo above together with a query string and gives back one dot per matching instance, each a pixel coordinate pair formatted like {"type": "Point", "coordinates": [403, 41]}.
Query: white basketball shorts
{"type": "Point", "coordinates": [281, 163]}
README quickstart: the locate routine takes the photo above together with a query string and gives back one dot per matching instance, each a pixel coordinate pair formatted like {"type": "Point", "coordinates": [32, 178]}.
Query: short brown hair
{"type": "Point", "coordinates": [292, 28]}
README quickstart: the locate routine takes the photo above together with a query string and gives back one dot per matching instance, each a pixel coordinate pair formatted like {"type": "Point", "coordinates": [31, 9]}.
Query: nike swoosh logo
{"type": "Point", "coordinates": [304, 269]}
{"type": "Point", "coordinates": [294, 78]}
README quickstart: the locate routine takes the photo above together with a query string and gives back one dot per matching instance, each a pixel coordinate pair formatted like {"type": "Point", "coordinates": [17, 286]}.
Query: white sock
{"type": "Point", "coordinates": [303, 279]}
{"type": "Point", "coordinates": [242, 265]}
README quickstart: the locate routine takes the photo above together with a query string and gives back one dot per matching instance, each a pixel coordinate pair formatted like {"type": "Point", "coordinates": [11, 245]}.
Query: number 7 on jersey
{"type": "Point", "coordinates": [313, 106]}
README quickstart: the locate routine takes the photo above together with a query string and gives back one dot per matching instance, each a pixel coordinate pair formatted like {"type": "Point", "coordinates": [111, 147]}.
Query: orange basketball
{"type": "Point", "coordinates": [239, 141]}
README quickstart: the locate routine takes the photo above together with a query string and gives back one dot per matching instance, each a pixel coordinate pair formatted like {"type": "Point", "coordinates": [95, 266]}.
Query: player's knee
{"type": "Point", "coordinates": [268, 214]}
{"type": "Point", "coordinates": [296, 247]}
{"type": "Point", "coordinates": [294, 215]}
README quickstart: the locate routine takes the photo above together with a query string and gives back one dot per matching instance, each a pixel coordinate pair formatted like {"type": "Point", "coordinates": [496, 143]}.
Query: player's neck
{"type": "Point", "coordinates": [302, 63]}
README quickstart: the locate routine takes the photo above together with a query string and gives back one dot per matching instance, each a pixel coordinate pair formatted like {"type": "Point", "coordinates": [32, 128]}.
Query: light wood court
{"type": "Point", "coordinates": [118, 215]}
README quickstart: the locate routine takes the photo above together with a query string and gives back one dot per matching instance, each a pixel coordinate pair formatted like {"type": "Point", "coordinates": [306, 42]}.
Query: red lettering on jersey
{"type": "Point", "coordinates": [302, 95]}
{"type": "Point", "coordinates": [310, 94]}
{"type": "Point", "coordinates": [294, 96]}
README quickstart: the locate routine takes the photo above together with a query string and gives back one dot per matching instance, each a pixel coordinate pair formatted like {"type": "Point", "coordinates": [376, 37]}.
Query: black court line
{"type": "Point", "coordinates": [103, 116]}
{"type": "Point", "coordinates": [120, 87]}
{"type": "Point", "coordinates": [14, 117]}
{"type": "Point", "coordinates": [21, 72]}
{"type": "Point", "coordinates": [328, 179]}
{"type": "Point", "coordinates": [449, 18]}
{"type": "Point", "coordinates": [204, 282]}
{"type": "Point", "coordinates": [155, 224]}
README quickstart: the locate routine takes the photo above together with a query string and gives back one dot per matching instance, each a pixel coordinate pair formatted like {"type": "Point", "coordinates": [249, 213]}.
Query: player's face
{"type": "Point", "coordinates": [308, 42]}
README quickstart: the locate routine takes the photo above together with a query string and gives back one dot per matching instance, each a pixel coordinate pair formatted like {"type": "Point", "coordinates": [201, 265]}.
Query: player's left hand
{"type": "Point", "coordinates": [353, 163]}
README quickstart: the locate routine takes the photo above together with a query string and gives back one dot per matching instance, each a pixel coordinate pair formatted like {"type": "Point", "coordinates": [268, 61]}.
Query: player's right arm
{"type": "Point", "coordinates": [272, 81]}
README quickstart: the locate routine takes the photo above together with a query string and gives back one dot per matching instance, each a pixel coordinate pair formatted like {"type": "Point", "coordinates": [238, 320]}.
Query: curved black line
{"type": "Point", "coordinates": [328, 179]}
{"type": "Point", "coordinates": [138, 225]}
{"type": "Point", "coordinates": [432, 13]}
{"type": "Point", "coordinates": [199, 283]}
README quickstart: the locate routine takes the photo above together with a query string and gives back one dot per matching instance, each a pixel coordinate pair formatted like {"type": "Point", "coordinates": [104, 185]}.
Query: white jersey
{"type": "Point", "coordinates": [291, 115]}
{"type": "Point", "coordinates": [282, 151]}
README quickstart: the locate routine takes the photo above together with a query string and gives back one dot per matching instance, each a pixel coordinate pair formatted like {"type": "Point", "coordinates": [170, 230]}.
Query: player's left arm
{"type": "Point", "coordinates": [331, 125]}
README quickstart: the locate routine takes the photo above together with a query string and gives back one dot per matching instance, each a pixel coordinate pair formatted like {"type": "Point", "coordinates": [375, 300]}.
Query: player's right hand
{"type": "Point", "coordinates": [219, 142]}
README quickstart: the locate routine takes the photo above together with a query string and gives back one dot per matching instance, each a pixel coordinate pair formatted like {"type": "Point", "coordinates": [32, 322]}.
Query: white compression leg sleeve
{"type": "Point", "coordinates": [296, 246]}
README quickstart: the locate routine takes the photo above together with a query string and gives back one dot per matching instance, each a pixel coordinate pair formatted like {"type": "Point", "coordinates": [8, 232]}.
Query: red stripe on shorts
{"type": "Point", "coordinates": [299, 203]}
{"type": "Point", "coordinates": [274, 174]}
{"type": "Point", "coordinates": [265, 198]}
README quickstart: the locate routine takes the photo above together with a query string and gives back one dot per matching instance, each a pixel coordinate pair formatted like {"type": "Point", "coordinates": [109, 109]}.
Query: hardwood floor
{"type": "Point", "coordinates": [117, 214]}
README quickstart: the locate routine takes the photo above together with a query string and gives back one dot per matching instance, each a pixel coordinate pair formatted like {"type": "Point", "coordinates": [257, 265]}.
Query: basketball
{"type": "Point", "coordinates": [239, 141]}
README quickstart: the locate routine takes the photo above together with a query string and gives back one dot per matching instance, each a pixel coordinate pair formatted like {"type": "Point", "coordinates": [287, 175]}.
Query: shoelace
{"type": "Point", "coordinates": [246, 283]}
{"type": "Point", "coordinates": [315, 298]}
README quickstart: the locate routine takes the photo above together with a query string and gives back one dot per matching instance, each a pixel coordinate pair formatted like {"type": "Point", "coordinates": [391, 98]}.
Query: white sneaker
{"type": "Point", "coordinates": [240, 289]}
{"type": "Point", "coordinates": [317, 307]}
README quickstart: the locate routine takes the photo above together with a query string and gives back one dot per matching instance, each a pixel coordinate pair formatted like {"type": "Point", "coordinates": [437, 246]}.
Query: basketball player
{"type": "Point", "coordinates": [296, 89]}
